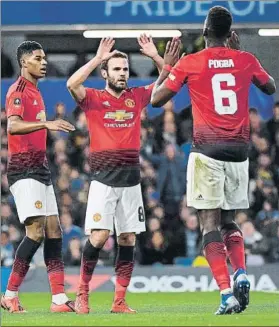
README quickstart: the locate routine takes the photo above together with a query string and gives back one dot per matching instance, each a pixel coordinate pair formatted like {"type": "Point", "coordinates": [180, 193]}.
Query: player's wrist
{"type": "Point", "coordinates": [98, 58]}
{"type": "Point", "coordinates": [155, 57]}
{"type": "Point", "coordinates": [167, 67]}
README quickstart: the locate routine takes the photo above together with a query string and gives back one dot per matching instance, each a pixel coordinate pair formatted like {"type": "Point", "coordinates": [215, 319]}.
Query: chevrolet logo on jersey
{"type": "Point", "coordinates": [119, 115]}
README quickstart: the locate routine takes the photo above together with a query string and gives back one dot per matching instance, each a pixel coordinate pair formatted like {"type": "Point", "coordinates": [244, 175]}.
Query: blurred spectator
{"type": "Point", "coordinates": [15, 236]}
{"type": "Point", "coordinates": [257, 126]}
{"type": "Point", "coordinates": [167, 127]}
{"type": "Point", "coordinates": [70, 231]}
{"type": "Point", "coordinates": [156, 249]}
{"type": "Point", "coordinates": [273, 124]}
{"type": "Point", "coordinates": [7, 216]}
{"type": "Point", "coordinates": [241, 217]}
{"type": "Point", "coordinates": [186, 124]}
{"type": "Point", "coordinates": [171, 179]}
{"type": "Point", "coordinates": [256, 245]}
{"type": "Point", "coordinates": [7, 249]}
{"type": "Point", "coordinates": [187, 240]}
{"type": "Point", "coordinates": [268, 213]}
{"type": "Point", "coordinates": [7, 69]}
{"type": "Point", "coordinates": [60, 111]}
{"type": "Point", "coordinates": [273, 254]}
{"type": "Point", "coordinates": [73, 253]}
{"type": "Point", "coordinates": [265, 190]}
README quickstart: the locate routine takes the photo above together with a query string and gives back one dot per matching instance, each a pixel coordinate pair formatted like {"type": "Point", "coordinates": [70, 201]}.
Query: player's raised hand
{"type": "Point", "coordinates": [234, 41]}
{"type": "Point", "coordinates": [59, 125]}
{"type": "Point", "coordinates": [147, 45]}
{"type": "Point", "coordinates": [172, 51]}
{"type": "Point", "coordinates": [105, 47]}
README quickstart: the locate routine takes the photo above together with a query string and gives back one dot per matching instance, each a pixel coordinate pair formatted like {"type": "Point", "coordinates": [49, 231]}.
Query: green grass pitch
{"type": "Point", "coordinates": [154, 309]}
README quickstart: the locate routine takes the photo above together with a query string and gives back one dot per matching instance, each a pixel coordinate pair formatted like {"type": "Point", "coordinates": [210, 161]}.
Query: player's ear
{"type": "Point", "coordinates": [23, 63]}
{"type": "Point", "coordinates": [104, 73]}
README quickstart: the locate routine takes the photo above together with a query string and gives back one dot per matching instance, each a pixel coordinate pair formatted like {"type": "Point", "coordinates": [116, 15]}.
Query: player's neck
{"type": "Point", "coordinates": [215, 43]}
{"type": "Point", "coordinates": [29, 77]}
{"type": "Point", "coordinates": [114, 93]}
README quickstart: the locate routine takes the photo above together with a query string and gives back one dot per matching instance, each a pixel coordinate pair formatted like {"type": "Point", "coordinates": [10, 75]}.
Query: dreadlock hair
{"type": "Point", "coordinates": [26, 47]}
{"type": "Point", "coordinates": [219, 21]}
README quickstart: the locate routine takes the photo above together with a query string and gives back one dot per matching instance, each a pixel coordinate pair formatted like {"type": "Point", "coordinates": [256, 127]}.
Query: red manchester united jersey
{"type": "Point", "coordinates": [219, 80]}
{"type": "Point", "coordinates": [114, 128]}
{"type": "Point", "coordinates": [27, 153]}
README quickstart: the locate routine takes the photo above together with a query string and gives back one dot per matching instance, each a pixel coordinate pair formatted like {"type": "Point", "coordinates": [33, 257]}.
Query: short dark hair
{"type": "Point", "coordinates": [219, 21]}
{"type": "Point", "coordinates": [276, 104]}
{"type": "Point", "coordinates": [27, 47]}
{"type": "Point", "coordinates": [118, 54]}
{"type": "Point", "coordinates": [253, 111]}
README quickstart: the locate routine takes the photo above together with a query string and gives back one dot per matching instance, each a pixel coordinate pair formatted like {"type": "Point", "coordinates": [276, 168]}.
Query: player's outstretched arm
{"type": "Point", "coordinates": [17, 126]}
{"type": "Point", "coordinates": [149, 49]}
{"type": "Point", "coordinates": [74, 83]}
{"type": "Point", "coordinates": [161, 94]}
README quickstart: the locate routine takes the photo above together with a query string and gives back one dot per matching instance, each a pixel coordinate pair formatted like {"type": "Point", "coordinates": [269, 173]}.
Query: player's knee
{"type": "Point", "coordinates": [54, 232]}
{"type": "Point", "coordinates": [52, 227]}
{"type": "Point", "coordinates": [127, 239]}
{"type": "Point", "coordinates": [209, 220]}
{"type": "Point", "coordinates": [35, 228]}
{"type": "Point", "coordinates": [98, 238]}
{"type": "Point", "coordinates": [36, 234]}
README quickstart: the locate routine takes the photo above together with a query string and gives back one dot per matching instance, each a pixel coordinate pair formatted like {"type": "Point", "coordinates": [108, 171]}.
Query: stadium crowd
{"type": "Point", "coordinates": [172, 227]}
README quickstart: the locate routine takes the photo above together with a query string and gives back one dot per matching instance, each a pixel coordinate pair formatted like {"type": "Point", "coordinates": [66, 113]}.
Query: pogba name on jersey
{"type": "Point", "coordinates": [227, 63]}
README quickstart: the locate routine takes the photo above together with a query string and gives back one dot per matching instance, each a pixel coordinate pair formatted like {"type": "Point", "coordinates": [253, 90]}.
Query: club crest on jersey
{"type": "Point", "coordinates": [130, 103]}
{"type": "Point", "coordinates": [119, 115]}
{"type": "Point", "coordinates": [41, 116]}
{"type": "Point", "coordinates": [38, 205]}
{"type": "Point", "coordinates": [17, 102]}
{"type": "Point", "coordinates": [97, 217]}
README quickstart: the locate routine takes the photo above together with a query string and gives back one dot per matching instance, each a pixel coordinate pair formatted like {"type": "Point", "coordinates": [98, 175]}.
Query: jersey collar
{"type": "Point", "coordinates": [21, 78]}
{"type": "Point", "coordinates": [113, 97]}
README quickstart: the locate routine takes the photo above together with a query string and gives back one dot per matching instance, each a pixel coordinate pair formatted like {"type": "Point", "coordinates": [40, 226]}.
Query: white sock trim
{"type": "Point", "coordinates": [60, 298]}
{"type": "Point", "coordinates": [226, 291]}
{"type": "Point", "coordinates": [11, 293]}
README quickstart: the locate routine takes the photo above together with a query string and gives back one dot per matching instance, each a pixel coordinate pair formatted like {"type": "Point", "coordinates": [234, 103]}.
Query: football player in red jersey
{"type": "Point", "coordinates": [219, 79]}
{"type": "Point", "coordinates": [30, 181]}
{"type": "Point", "coordinates": [113, 118]}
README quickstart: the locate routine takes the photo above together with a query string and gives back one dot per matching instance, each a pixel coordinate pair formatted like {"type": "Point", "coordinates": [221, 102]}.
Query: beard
{"type": "Point", "coordinates": [116, 88]}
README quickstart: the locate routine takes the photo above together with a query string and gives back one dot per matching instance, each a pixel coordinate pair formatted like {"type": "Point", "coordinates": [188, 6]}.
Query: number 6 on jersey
{"type": "Point", "coordinates": [220, 94]}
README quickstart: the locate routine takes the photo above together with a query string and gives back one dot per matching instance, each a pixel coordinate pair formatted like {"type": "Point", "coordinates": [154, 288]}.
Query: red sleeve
{"type": "Point", "coordinates": [91, 99]}
{"type": "Point", "coordinates": [145, 94]}
{"type": "Point", "coordinates": [14, 105]}
{"type": "Point", "coordinates": [258, 72]}
{"type": "Point", "coordinates": [178, 75]}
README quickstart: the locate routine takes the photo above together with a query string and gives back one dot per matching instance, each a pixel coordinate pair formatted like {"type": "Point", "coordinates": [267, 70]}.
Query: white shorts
{"type": "Point", "coordinates": [120, 205]}
{"type": "Point", "coordinates": [213, 184]}
{"type": "Point", "coordinates": [33, 198]}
